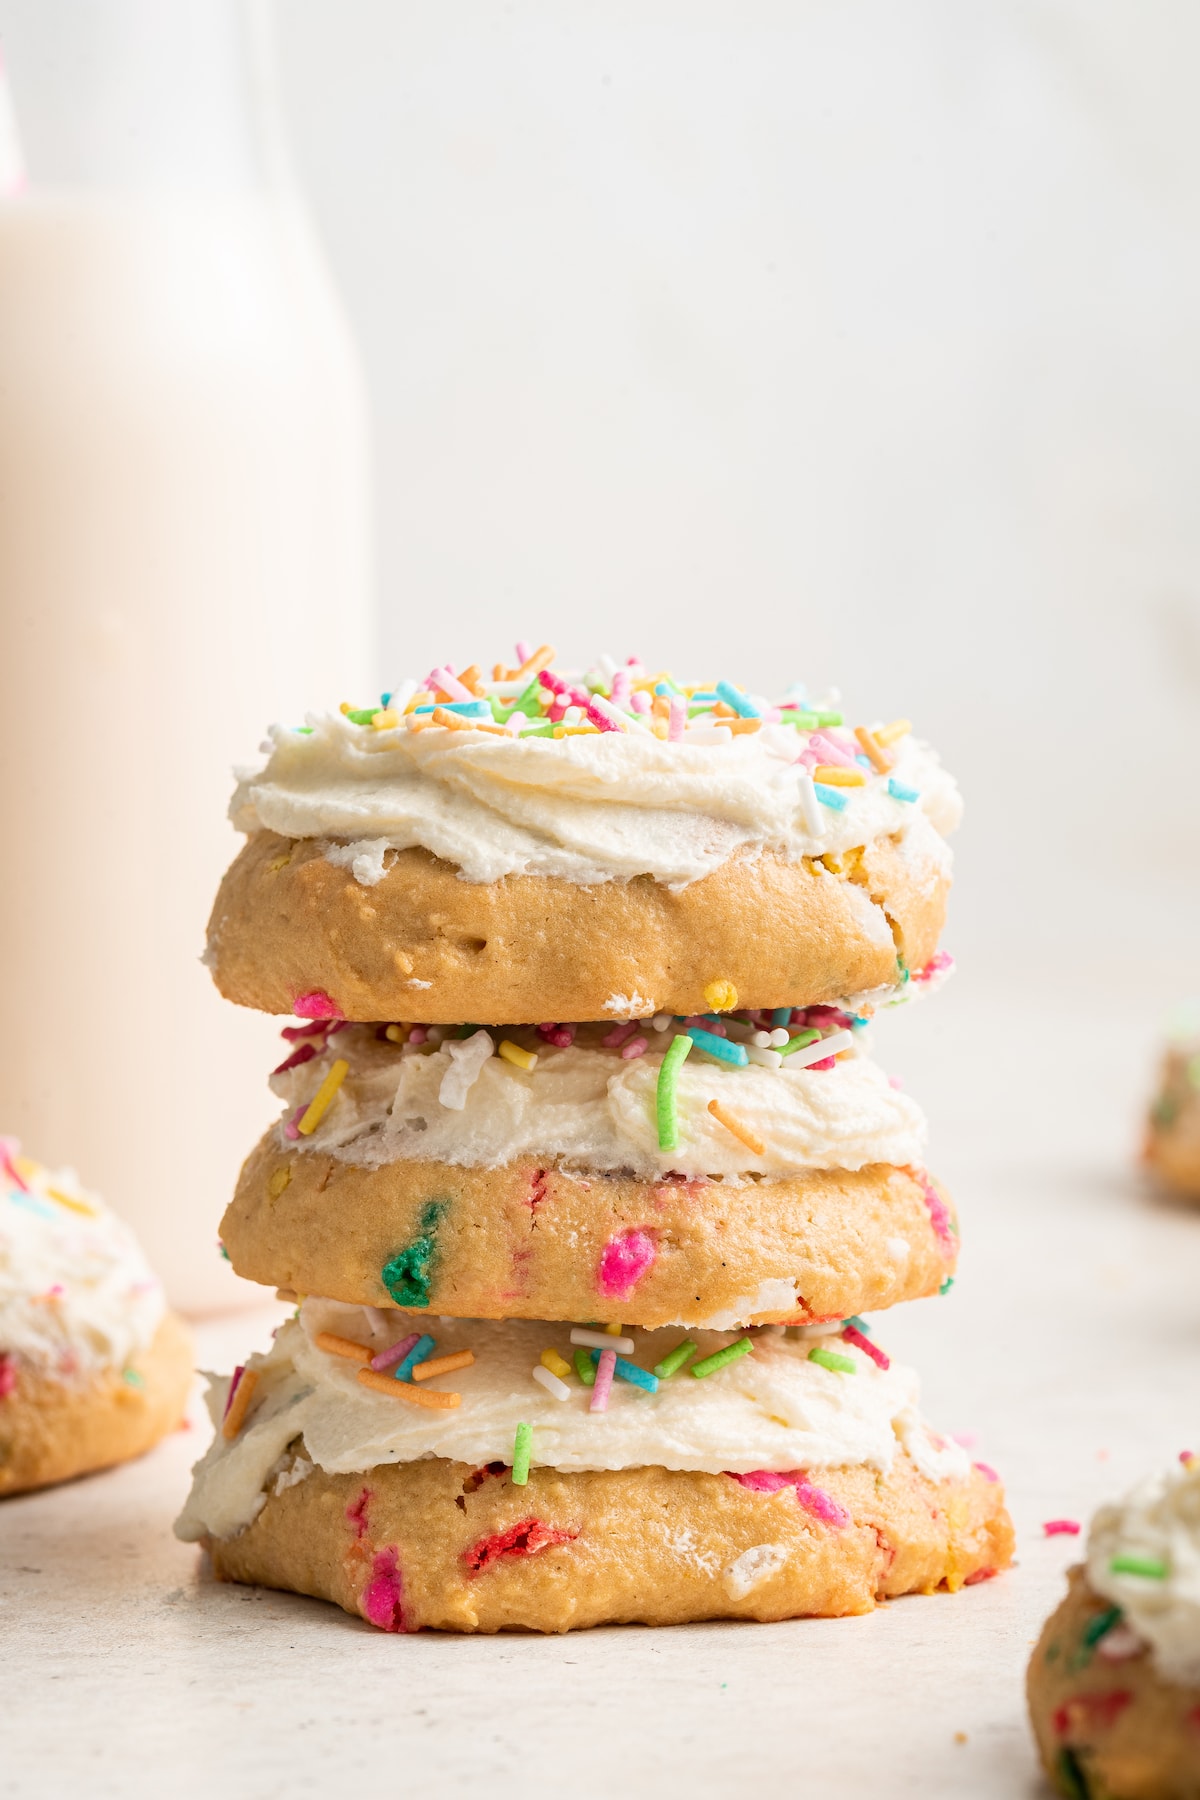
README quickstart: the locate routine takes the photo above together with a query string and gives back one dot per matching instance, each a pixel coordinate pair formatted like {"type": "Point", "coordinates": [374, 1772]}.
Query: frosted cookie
{"type": "Point", "coordinates": [524, 1175]}
{"type": "Point", "coordinates": [535, 848]}
{"type": "Point", "coordinates": [765, 1487]}
{"type": "Point", "coordinates": [1114, 1683]}
{"type": "Point", "coordinates": [1172, 1144]}
{"type": "Point", "coordinates": [93, 1368]}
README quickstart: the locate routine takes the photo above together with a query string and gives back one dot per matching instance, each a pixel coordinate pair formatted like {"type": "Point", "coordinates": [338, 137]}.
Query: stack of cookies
{"type": "Point", "coordinates": [584, 1178]}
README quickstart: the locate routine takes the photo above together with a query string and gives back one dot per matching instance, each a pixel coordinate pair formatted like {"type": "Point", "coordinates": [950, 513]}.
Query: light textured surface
{"type": "Point", "coordinates": [1069, 1344]}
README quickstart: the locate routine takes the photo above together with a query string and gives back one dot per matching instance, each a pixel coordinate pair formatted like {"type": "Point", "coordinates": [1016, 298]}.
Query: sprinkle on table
{"type": "Point", "coordinates": [831, 1360]}
{"type": "Point", "coordinates": [522, 1445]}
{"type": "Point", "coordinates": [734, 1126]}
{"type": "Point", "coordinates": [1062, 1528]}
{"type": "Point", "coordinates": [443, 1365]}
{"type": "Point", "coordinates": [674, 1359]}
{"type": "Point", "coordinates": [666, 1107]}
{"type": "Point", "coordinates": [720, 1359]}
{"type": "Point", "coordinates": [322, 1100]}
{"type": "Point", "coordinates": [239, 1403]}
{"type": "Point", "coordinates": [334, 1345]}
{"type": "Point", "coordinates": [513, 1053]}
{"type": "Point", "coordinates": [433, 1399]}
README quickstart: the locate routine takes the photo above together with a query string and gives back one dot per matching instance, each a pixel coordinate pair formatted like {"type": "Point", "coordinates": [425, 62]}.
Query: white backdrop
{"type": "Point", "coordinates": [835, 339]}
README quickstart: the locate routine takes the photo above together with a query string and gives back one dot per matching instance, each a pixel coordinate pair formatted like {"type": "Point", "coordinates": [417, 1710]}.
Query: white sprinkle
{"type": "Point", "coordinates": [809, 805]}
{"type": "Point", "coordinates": [813, 1053]}
{"type": "Point", "coordinates": [549, 1380]}
{"type": "Point", "coordinates": [700, 733]}
{"type": "Point", "coordinates": [600, 1340]}
{"type": "Point", "coordinates": [467, 1057]}
{"type": "Point", "coordinates": [764, 1039]}
{"type": "Point", "coordinates": [415, 983]}
{"type": "Point", "coordinates": [1119, 1644]}
{"type": "Point", "coordinates": [827, 1328]}
{"type": "Point", "coordinates": [779, 1037]}
{"type": "Point", "coordinates": [660, 1021]}
{"type": "Point", "coordinates": [770, 1059]}
{"type": "Point", "coordinates": [377, 1320]}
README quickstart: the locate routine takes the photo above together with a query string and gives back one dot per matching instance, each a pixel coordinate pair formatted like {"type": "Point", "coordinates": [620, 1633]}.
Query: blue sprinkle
{"type": "Point", "coordinates": [745, 708]}
{"type": "Point", "coordinates": [858, 1324]}
{"type": "Point", "coordinates": [630, 1372]}
{"type": "Point", "coordinates": [864, 760]}
{"type": "Point", "coordinates": [469, 709]}
{"type": "Point", "coordinates": [383, 699]}
{"type": "Point", "coordinates": [781, 1016]}
{"type": "Point", "coordinates": [898, 791]}
{"type": "Point", "coordinates": [32, 1204]}
{"type": "Point", "coordinates": [419, 1353]}
{"type": "Point", "coordinates": [720, 1047]}
{"type": "Point", "coordinates": [830, 796]}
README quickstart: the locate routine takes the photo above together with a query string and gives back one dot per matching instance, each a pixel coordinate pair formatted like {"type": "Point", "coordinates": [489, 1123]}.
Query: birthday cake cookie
{"type": "Point", "coordinates": [540, 847]}
{"type": "Point", "coordinates": [93, 1367]}
{"type": "Point", "coordinates": [1172, 1142]}
{"type": "Point", "coordinates": [729, 1170]}
{"type": "Point", "coordinates": [1114, 1683]}
{"type": "Point", "coordinates": [547, 1480]}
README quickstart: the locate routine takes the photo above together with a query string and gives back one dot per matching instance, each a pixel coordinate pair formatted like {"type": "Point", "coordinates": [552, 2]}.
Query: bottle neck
{"type": "Point", "coordinates": [129, 96]}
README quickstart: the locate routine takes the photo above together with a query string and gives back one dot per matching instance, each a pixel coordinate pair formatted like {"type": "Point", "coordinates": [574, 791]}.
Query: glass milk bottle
{"type": "Point", "coordinates": [183, 557]}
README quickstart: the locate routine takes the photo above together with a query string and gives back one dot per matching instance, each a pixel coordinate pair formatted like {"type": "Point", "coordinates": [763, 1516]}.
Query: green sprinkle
{"type": "Point", "coordinates": [1101, 1625]}
{"type": "Point", "coordinates": [585, 1368]}
{"type": "Point", "coordinates": [406, 1276]}
{"type": "Point", "coordinates": [133, 1378]}
{"type": "Point", "coordinates": [858, 1324]}
{"type": "Point", "coordinates": [223, 1250]}
{"type": "Point", "coordinates": [946, 1285]}
{"type": "Point", "coordinates": [801, 1040]}
{"type": "Point", "coordinates": [829, 1359]}
{"type": "Point", "coordinates": [709, 1365]}
{"type": "Point", "coordinates": [674, 1359]}
{"type": "Point", "coordinates": [830, 718]}
{"type": "Point", "coordinates": [521, 1448]}
{"type": "Point", "coordinates": [545, 730]}
{"type": "Point", "coordinates": [664, 1100]}
{"type": "Point", "coordinates": [362, 715]}
{"type": "Point", "coordinates": [1152, 1567]}
{"type": "Point", "coordinates": [1070, 1776]}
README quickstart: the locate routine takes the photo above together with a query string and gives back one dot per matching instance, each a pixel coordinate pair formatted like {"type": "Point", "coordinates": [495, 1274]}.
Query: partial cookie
{"type": "Point", "coordinates": [441, 1545]}
{"type": "Point", "coordinates": [532, 1240]}
{"type": "Point", "coordinates": [422, 943]}
{"type": "Point", "coordinates": [53, 1427]}
{"type": "Point", "coordinates": [1172, 1143]}
{"type": "Point", "coordinates": [93, 1369]}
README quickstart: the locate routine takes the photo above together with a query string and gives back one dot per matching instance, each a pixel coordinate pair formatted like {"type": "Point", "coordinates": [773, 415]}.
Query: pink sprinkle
{"type": "Point", "coordinates": [1060, 1527]}
{"type": "Point", "coordinates": [619, 692]}
{"type": "Point", "coordinates": [637, 1048]}
{"type": "Point", "coordinates": [987, 1471]}
{"type": "Point", "coordinates": [233, 1386]}
{"type": "Point", "coordinates": [623, 1262]}
{"type": "Point", "coordinates": [831, 751]}
{"type": "Point", "coordinates": [524, 651]}
{"type": "Point", "coordinates": [449, 684]}
{"type": "Point", "coordinates": [9, 1147]}
{"type": "Point", "coordinates": [771, 715]}
{"type": "Point", "coordinates": [562, 1037]}
{"type": "Point", "coordinates": [557, 713]}
{"type": "Point", "coordinates": [813, 1499]}
{"type": "Point", "coordinates": [894, 1081]}
{"type": "Point", "coordinates": [677, 718]}
{"type": "Point", "coordinates": [939, 1214]}
{"type": "Point", "coordinates": [604, 1380]}
{"type": "Point", "coordinates": [1187, 1457]}
{"type": "Point", "coordinates": [641, 701]}
{"type": "Point", "coordinates": [854, 1336]}
{"type": "Point", "coordinates": [941, 959]}
{"type": "Point", "coordinates": [767, 1481]}
{"type": "Point", "coordinates": [554, 683]}
{"type": "Point", "coordinates": [292, 1127]}
{"type": "Point", "coordinates": [826, 1062]}
{"type": "Point", "coordinates": [383, 1598]}
{"type": "Point", "coordinates": [356, 1512]}
{"type": "Point", "coordinates": [316, 1005]}
{"type": "Point", "coordinates": [303, 1054]}
{"type": "Point", "coordinates": [295, 1033]}
{"type": "Point", "coordinates": [967, 1439]}
{"type": "Point", "coordinates": [418, 1034]}
{"type": "Point", "coordinates": [600, 719]}
{"type": "Point", "coordinates": [387, 1359]}
{"type": "Point", "coordinates": [8, 1376]}
{"type": "Point", "coordinates": [618, 1035]}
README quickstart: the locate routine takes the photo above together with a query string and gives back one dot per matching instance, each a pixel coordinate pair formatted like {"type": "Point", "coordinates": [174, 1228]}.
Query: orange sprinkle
{"type": "Point", "coordinates": [472, 680]}
{"type": "Point", "coordinates": [404, 1390]}
{"type": "Point", "coordinates": [239, 1406]}
{"type": "Point", "coordinates": [443, 1365]}
{"type": "Point", "coordinates": [724, 711]}
{"type": "Point", "coordinates": [833, 775]}
{"type": "Point", "coordinates": [340, 1346]}
{"type": "Point", "coordinates": [542, 657]}
{"type": "Point", "coordinates": [881, 762]}
{"type": "Point", "coordinates": [889, 733]}
{"type": "Point", "coordinates": [737, 1129]}
{"type": "Point", "coordinates": [740, 726]}
{"type": "Point", "coordinates": [455, 721]}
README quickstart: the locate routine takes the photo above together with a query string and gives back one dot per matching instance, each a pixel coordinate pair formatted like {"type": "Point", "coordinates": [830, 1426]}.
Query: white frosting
{"type": "Point", "coordinates": [772, 1409]}
{"type": "Point", "coordinates": [609, 806]}
{"type": "Point", "coordinates": [1159, 1520]}
{"type": "Point", "coordinates": [76, 1292]}
{"type": "Point", "coordinates": [588, 1108]}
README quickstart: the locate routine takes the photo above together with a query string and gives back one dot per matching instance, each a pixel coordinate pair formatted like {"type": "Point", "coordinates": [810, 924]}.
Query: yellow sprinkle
{"type": "Point", "coordinates": [278, 1182]}
{"type": "Point", "coordinates": [385, 719]}
{"type": "Point", "coordinates": [279, 862]}
{"type": "Point", "coordinates": [736, 1128]}
{"type": "Point", "coordinates": [27, 1168]}
{"type": "Point", "coordinates": [834, 776]}
{"type": "Point", "coordinates": [722, 996]}
{"type": "Point", "coordinates": [345, 707]}
{"type": "Point", "coordinates": [557, 1365]}
{"type": "Point", "coordinates": [513, 1053]}
{"type": "Point", "coordinates": [69, 1201]}
{"type": "Point", "coordinates": [321, 1101]}
{"type": "Point", "coordinates": [398, 1034]}
{"type": "Point", "coordinates": [613, 1330]}
{"type": "Point", "coordinates": [888, 734]}
{"type": "Point", "coordinates": [420, 699]}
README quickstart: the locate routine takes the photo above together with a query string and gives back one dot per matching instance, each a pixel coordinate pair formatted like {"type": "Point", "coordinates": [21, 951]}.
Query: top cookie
{"type": "Point", "coordinates": [537, 847]}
